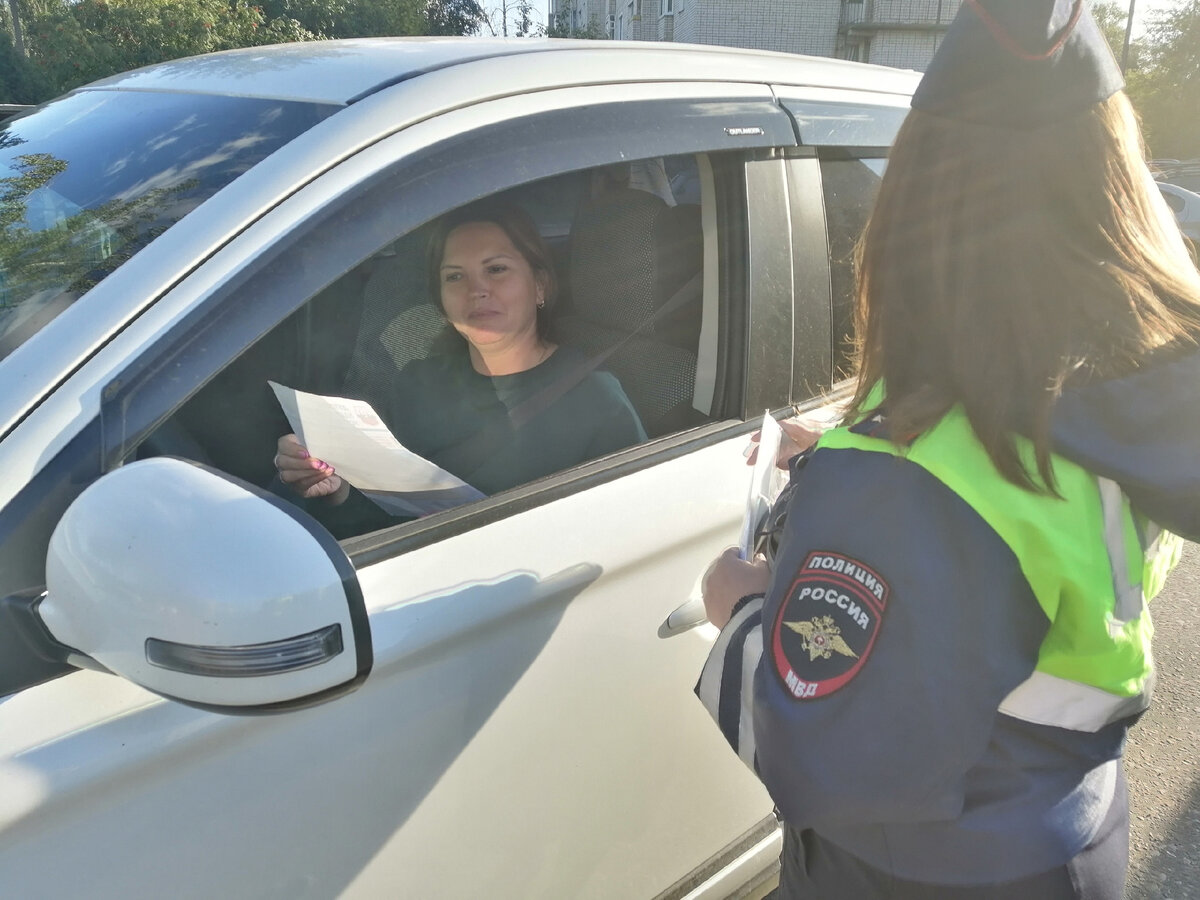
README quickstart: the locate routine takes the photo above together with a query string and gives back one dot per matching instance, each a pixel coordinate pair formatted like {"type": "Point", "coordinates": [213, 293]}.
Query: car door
{"type": "Point", "coordinates": [528, 728]}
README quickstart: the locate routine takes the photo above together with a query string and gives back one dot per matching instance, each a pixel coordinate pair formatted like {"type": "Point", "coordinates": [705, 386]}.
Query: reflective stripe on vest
{"type": "Point", "coordinates": [1130, 600]}
{"type": "Point", "coordinates": [1094, 665]}
{"type": "Point", "coordinates": [1048, 700]}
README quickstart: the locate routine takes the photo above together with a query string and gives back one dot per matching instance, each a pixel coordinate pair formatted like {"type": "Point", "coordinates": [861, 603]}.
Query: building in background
{"type": "Point", "coordinates": [902, 33]}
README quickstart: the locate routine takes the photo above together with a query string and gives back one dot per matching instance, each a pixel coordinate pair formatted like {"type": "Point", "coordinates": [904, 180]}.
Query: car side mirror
{"type": "Point", "coordinates": [205, 589]}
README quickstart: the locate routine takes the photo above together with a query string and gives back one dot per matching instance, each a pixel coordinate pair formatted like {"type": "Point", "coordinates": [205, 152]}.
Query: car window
{"type": "Point", "coordinates": [833, 124]}
{"type": "Point", "coordinates": [378, 316]}
{"type": "Point", "coordinates": [849, 186]}
{"type": "Point", "coordinates": [90, 179]}
{"type": "Point", "coordinates": [628, 245]}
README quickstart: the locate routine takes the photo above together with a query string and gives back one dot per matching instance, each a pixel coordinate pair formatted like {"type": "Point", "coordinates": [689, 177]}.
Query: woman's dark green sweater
{"type": "Point", "coordinates": [444, 410]}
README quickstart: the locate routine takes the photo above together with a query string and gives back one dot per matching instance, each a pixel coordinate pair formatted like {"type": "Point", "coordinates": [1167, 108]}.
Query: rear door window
{"type": "Point", "coordinates": [849, 185]}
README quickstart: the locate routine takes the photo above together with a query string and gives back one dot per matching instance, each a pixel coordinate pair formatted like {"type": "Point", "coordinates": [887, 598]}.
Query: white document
{"type": "Point", "coordinates": [766, 481]}
{"type": "Point", "coordinates": [350, 436]}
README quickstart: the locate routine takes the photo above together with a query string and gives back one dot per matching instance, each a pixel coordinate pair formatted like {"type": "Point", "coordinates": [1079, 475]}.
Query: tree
{"type": "Point", "coordinates": [1166, 90]}
{"type": "Point", "coordinates": [380, 18]}
{"type": "Point", "coordinates": [71, 42]}
{"type": "Point", "coordinates": [512, 18]}
{"type": "Point", "coordinates": [1112, 16]}
{"type": "Point", "coordinates": [82, 246]}
{"type": "Point", "coordinates": [563, 24]}
{"type": "Point", "coordinates": [454, 17]}
{"type": "Point", "coordinates": [322, 18]}
{"type": "Point", "coordinates": [19, 82]}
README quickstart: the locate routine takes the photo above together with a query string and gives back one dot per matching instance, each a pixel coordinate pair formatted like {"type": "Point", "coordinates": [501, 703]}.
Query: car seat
{"type": "Point", "coordinates": [631, 257]}
{"type": "Point", "coordinates": [399, 322]}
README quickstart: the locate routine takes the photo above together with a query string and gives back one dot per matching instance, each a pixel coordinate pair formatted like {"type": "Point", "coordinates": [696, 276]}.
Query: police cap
{"type": "Point", "coordinates": [1019, 64]}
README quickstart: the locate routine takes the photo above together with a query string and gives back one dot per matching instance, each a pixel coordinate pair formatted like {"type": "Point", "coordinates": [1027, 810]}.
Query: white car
{"type": "Point", "coordinates": [202, 693]}
{"type": "Point", "coordinates": [1186, 206]}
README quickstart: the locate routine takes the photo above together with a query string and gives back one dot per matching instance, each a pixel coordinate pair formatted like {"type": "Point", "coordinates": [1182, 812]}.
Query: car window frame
{"type": "Point", "coordinates": [841, 309]}
{"type": "Point", "coordinates": [220, 328]}
{"type": "Point", "coordinates": [830, 123]}
{"type": "Point", "coordinates": [834, 117]}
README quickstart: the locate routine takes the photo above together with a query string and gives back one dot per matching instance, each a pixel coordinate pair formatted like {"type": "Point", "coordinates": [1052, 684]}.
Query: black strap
{"type": "Point", "coordinates": [520, 414]}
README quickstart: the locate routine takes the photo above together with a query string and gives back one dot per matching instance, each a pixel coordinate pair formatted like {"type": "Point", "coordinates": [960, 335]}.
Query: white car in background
{"type": "Point", "coordinates": [202, 693]}
{"type": "Point", "coordinates": [1186, 206]}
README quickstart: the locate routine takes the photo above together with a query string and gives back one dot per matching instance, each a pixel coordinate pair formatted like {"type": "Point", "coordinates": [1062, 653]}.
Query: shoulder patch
{"type": "Point", "coordinates": [827, 625]}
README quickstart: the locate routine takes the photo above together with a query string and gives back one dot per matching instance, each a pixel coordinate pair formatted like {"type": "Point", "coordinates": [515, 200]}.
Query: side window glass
{"type": "Point", "coordinates": [624, 310]}
{"type": "Point", "coordinates": [834, 124]}
{"type": "Point", "coordinates": [849, 186]}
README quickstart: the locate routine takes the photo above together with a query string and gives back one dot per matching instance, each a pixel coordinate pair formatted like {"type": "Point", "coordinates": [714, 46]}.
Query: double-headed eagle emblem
{"type": "Point", "coordinates": [822, 638]}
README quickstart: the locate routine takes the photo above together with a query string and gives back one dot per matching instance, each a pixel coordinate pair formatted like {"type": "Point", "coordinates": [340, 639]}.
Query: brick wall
{"type": "Point", "coordinates": [793, 26]}
{"type": "Point", "coordinates": [903, 49]}
{"type": "Point", "coordinates": [647, 28]}
{"type": "Point", "coordinates": [798, 26]}
{"type": "Point", "coordinates": [666, 28]}
{"type": "Point", "coordinates": [585, 11]}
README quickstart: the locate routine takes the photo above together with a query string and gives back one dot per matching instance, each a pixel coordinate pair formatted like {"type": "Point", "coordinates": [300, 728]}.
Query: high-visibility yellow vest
{"type": "Point", "coordinates": [1092, 563]}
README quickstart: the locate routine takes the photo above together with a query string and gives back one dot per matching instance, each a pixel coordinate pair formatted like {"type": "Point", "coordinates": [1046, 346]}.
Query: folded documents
{"type": "Point", "coordinates": [766, 481]}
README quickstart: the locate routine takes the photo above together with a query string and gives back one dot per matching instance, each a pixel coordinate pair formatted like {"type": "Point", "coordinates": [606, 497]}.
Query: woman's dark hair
{"type": "Point", "coordinates": [521, 230]}
{"type": "Point", "coordinates": [999, 265]}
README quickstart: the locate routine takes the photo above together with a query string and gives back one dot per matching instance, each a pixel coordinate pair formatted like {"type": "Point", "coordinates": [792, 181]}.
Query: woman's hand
{"type": "Point", "coordinates": [730, 578]}
{"type": "Point", "coordinates": [305, 475]}
{"type": "Point", "coordinates": [796, 438]}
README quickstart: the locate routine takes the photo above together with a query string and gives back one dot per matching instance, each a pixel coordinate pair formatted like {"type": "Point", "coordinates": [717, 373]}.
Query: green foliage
{"type": "Point", "coordinates": [511, 18]}
{"type": "Point", "coordinates": [72, 42]}
{"type": "Point", "coordinates": [353, 18]}
{"type": "Point", "coordinates": [321, 18]}
{"type": "Point", "coordinates": [1112, 17]}
{"type": "Point", "coordinates": [1166, 89]}
{"type": "Point", "coordinates": [19, 81]}
{"type": "Point", "coordinates": [454, 17]}
{"type": "Point", "coordinates": [80, 247]}
{"type": "Point", "coordinates": [1163, 73]}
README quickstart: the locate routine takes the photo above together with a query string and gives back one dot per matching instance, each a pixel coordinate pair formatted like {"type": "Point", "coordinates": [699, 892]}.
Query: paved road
{"type": "Point", "coordinates": [1163, 757]}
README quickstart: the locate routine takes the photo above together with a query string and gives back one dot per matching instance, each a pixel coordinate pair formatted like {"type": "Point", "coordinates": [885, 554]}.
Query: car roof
{"type": "Point", "coordinates": [341, 72]}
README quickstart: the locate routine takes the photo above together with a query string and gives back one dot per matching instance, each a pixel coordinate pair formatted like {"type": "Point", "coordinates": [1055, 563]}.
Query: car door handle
{"type": "Point", "coordinates": [685, 618]}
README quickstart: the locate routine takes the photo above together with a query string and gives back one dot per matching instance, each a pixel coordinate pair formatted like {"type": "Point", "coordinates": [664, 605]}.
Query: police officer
{"type": "Point", "coordinates": [952, 639]}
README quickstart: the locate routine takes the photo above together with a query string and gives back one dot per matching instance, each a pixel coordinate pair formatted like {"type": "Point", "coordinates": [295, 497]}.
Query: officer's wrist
{"type": "Point", "coordinates": [744, 602]}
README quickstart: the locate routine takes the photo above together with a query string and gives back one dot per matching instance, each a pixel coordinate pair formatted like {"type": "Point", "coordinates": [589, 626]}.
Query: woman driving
{"type": "Point", "coordinates": [500, 404]}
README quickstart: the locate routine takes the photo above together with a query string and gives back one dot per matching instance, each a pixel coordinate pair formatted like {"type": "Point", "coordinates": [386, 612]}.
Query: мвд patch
{"type": "Point", "coordinates": [827, 625]}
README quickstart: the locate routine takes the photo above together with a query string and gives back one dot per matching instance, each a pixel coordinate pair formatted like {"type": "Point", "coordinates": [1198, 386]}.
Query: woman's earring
{"type": "Point", "coordinates": [541, 304]}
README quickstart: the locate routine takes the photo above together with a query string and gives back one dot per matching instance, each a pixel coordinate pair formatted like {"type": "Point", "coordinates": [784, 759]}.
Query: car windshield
{"type": "Point", "coordinates": [90, 179]}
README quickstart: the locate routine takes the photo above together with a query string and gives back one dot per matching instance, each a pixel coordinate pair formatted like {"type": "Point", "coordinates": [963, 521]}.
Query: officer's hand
{"type": "Point", "coordinates": [796, 438]}
{"type": "Point", "coordinates": [728, 579]}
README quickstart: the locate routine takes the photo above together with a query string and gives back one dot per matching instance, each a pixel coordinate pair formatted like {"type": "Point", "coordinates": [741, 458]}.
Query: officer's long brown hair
{"type": "Point", "coordinates": [1000, 265]}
